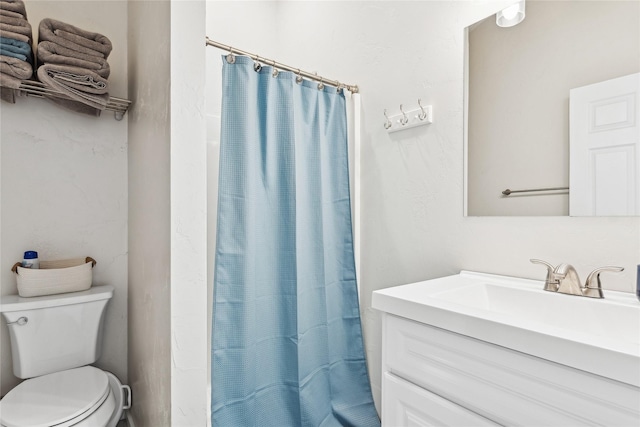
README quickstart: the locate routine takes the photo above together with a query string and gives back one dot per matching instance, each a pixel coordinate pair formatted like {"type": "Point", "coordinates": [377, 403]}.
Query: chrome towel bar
{"type": "Point", "coordinates": [508, 192]}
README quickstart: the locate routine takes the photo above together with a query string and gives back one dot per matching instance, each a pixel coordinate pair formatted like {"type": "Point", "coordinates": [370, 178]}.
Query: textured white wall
{"type": "Point", "coordinates": [64, 182]}
{"type": "Point", "coordinates": [413, 226]}
{"type": "Point", "coordinates": [189, 351]}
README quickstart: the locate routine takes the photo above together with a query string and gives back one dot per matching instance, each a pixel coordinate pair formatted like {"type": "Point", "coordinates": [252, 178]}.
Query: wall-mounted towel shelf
{"type": "Point", "coordinates": [35, 88]}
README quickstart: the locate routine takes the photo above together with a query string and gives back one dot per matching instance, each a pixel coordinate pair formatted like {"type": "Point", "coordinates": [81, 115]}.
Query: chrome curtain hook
{"type": "Point", "coordinates": [321, 84]}
{"type": "Point", "coordinates": [387, 123]}
{"type": "Point", "coordinates": [339, 87]}
{"type": "Point", "coordinates": [422, 115]}
{"type": "Point", "coordinates": [298, 77]}
{"type": "Point", "coordinates": [404, 120]}
{"type": "Point", "coordinates": [231, 59]}
{"type": "Point", "coordinates": [275, 70]}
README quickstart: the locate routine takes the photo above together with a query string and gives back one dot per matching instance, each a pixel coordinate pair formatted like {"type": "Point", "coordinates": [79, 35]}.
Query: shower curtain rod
{"type": "Point", "coordinates": [232, 50]}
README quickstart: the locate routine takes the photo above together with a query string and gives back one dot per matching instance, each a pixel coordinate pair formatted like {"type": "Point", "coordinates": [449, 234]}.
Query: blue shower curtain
{"type": "Point", "coordinates": [287, 340]}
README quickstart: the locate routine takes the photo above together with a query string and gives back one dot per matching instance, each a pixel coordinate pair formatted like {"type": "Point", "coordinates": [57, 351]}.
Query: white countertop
{"type": "Point", "coordinates": [601, 336]}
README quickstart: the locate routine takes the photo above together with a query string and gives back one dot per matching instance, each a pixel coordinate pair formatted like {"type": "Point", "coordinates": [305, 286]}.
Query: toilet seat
{"type": "Point", "coordinates": [59, 399]}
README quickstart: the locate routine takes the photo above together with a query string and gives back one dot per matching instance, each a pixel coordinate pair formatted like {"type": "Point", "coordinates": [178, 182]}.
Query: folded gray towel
{"type": "Point", "coordinates": [14, 6]}
{"type": "Point", "coordinates": [24, 29]}
{"type": "Point", "coordinates": [19, 20]}
{"type": "Point", "coordinates": [15, 67]}
{"type": "Point", "coordinates": [83, 82]}
{"type": "Point", "coordinates": [79, 84]}
{"type": "Point", "coordinates": [15, 36]}
{"type": "Point", "coordinates": [9, 14]}
{"type": "Point", "coordinates": [76, 106]}
{"type": "Point", "coordinates": [71, 37]}
{"type": "Point", "coordinates": [9, 81]}
{"type": "Point", "coordinates": [53, 53]}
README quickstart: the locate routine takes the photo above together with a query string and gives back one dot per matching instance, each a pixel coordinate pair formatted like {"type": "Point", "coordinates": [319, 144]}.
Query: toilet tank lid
{"type": "Point", "coordinates": [10, 303]}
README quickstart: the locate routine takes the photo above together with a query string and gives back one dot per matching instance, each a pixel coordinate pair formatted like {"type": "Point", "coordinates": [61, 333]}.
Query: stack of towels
{"type": "Point", "coordinates": [74, 62]}
{"type": "Point", "coordinates": [16, 56]}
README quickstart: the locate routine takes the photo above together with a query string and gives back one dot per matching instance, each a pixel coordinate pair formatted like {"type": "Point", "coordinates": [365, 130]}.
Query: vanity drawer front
{"type": "Point", "coordinates": [407, 405]}
{"type": "Point", "coordinates": [506, 386]}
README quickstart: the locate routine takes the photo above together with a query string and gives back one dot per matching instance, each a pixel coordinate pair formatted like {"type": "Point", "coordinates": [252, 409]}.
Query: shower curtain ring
{"type": "Point", "coordinates": [275, 71]}
{"type": "Point", "coordinates": [422, 115]}
{"type": "Point", "coordinates": [321, 84]}
{"type": "Point", "coordinates": [339, 87]}
{"type": "Point", "coordinates": [231, 59]}
{"type": "Point", "coordinates": [298, 77]}
{"type": "Point", "coordinates": [404, 120]}
{"type": "Point", "coordinates": [387, 123]}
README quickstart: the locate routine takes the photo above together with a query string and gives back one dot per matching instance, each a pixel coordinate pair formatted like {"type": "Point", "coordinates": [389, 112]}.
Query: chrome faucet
{"type": "Point", "coordinates": [564, 279]}
{"type": "Point", "coordinates": [568, 280]}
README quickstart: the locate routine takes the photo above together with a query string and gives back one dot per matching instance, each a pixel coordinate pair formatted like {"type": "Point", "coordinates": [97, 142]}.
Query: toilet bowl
{"type": "Point", "coordinates": [79, 397]}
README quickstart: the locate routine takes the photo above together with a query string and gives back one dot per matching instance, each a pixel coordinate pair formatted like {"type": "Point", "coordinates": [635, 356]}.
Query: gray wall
{"type": "Point", "coordinates": [167, 219]}
{"type": "Point", "coordinates": [149, 213]}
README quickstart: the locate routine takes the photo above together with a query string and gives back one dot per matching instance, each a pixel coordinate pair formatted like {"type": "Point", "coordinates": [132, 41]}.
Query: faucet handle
{"type": "Point", "coordinates": [551, 283]}
{"type": "Point", "coordinates": [593, 286]}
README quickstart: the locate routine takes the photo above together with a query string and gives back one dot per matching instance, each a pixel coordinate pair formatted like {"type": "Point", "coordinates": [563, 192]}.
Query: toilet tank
{"type": "Point", "coordinates": [55, 332]}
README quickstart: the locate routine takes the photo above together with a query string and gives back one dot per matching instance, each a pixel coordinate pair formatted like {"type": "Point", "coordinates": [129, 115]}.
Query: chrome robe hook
{"type": "Point", "coordinates": [422, 115]}
{"type": "Point", "coordinates": [387, 123]}
{"type": "Point", "coordinates": [404, 120]}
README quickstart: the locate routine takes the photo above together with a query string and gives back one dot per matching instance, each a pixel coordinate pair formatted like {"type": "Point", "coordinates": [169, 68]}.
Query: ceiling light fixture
{"type": "Point", "coordinates": [510, 16]}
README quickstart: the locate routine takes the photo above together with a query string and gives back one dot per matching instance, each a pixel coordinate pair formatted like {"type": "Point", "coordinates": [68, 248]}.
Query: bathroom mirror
{"type": "Point", "coordinates": [517, 99]}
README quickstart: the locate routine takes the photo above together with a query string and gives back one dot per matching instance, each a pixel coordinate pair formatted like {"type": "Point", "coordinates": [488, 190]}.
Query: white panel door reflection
{"type": "Point", "coordinates": [604, 140]}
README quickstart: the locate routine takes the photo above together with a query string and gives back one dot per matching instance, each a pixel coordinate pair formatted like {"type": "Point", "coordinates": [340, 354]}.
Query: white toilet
{"type": "Point", "coordinates": [54, 338]}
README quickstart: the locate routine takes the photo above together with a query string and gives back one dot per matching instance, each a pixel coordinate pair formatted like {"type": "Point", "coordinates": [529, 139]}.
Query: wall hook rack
{"type": "Point", "coordinates": [423, 115]}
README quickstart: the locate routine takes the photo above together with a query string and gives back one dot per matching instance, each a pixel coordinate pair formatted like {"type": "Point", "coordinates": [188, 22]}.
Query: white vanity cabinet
{"type": "Point", "coordinates": [434, 377]}
{"type": "Point", "coordinates": [406, 404]}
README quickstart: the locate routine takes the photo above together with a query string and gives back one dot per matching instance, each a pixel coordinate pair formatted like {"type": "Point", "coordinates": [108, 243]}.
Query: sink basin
{"type": "Point", "coordinates": [601, 336]}
{"type": "Point", "coordinates": [579, 315]}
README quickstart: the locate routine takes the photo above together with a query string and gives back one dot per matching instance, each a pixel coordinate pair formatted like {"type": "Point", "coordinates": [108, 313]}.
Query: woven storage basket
{"type": "Point", "coordinates": [54, 277]}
